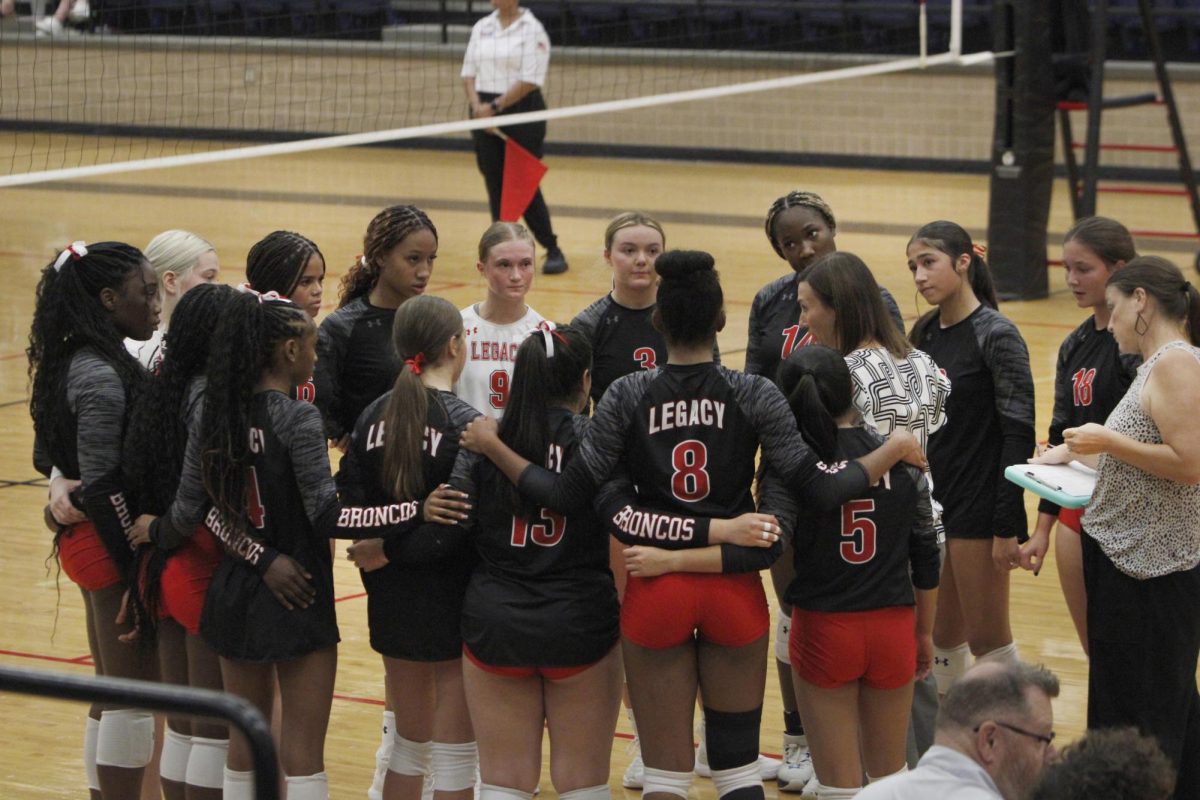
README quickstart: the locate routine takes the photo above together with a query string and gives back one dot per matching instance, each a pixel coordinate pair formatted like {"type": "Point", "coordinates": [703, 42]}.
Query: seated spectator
{"type": "Point", "coordinates": [993, 738]}
{"type": "Point", "coordinates": [1109, 763]}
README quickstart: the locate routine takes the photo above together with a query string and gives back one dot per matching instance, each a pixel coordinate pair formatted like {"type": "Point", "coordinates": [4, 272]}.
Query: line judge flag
{"type": "Point", "coordinates": [522, 174]}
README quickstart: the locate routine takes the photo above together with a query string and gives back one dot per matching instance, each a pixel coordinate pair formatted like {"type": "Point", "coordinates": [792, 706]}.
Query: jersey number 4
{"type": "Point", "coordinates": [858, 531]}
{"type": "Point", "coordinates": [1081, 384]}
{"type": "Point", "coordinates": [254, 506]}
{"type": "Point", "coordinates": [690, 482]}
{"type": "Point", "coordinates": [547, 532]}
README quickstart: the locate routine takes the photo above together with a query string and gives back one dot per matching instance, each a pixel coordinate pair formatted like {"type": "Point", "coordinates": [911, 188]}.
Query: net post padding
{"type": "Point", "coordinates": [1022, 177]}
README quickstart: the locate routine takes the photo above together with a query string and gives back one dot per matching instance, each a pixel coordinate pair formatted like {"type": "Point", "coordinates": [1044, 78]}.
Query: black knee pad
{"type": "Point", "coordinates": [731, 737]}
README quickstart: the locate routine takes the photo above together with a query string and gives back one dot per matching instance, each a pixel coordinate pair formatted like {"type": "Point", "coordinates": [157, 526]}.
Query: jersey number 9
{"type": "Point", "coordinates": [498, 384]}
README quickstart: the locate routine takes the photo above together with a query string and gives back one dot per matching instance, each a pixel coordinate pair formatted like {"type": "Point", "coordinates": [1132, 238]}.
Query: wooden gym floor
{"type": "Point", "coordinates": [330, 196]}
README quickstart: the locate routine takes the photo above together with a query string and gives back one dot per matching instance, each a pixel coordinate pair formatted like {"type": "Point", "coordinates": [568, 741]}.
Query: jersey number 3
{"type": "Point", "coordinates": [540, 533]}
{"type": "Point", "coordinates": [646, 357]}
{"type": "Point", "coordinates": [858, 532]}
{"type": "Point", "coordinates": [689, 482]}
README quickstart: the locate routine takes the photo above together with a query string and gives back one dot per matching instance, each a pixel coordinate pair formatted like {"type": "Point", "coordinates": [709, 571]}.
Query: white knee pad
{"type": "Point", "coordinates": [91, 737]}
{"type": "Point", "coordinates": [206, 764]}
{"type": "Point", "coordinates": [601, 792]}
{"type": "Point", "coordinates": [1001, 655]}
{"type": "Point", "coordinates": [308, 787]}
{"type": "Point", "coordinates": [409, 757]}
{"type": "Point", "coordinates": [454, 766]}
{"type": "Point", "coordinates": [901, 771]}
{"type": "Point", "coordinates": [949, 664]}
{"type": "Point", "coordinates": [747, 776]}
{"type": "Point", "coordinates": [836, 792]}
{"type": "Point", "coordinates": [666, 782]}
{"type": "Point", "coordinates": [237, 785]}
{"type": "Point", "coordinates": [489, 792]}
{"type": "Point", "coordinates": [783, 630]}
{"type": "Point", "coordinates": [126, 738]}
{"type": "Point", "coordinates": [177, 748]}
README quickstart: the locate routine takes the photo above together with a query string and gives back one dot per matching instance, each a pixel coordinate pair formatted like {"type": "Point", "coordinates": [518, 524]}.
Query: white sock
{"type": "Point", "coordinates": [901, 771]}
{"type": "Point", "coordinates": [308, 787]}
{"type": "Point", "coordinates": [1002, 655]}
{"type": "Point", "coordinates": [91, 737]}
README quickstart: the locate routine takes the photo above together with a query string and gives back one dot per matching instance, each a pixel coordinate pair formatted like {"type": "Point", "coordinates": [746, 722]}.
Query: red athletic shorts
{"type": "Point", "coordinates": [830, 649]}
{"type": "Point", "coordinates": [548, 673]}
{"type": "Point", "coordinates": [1071, 518]}
{"type": "Point", "coordinates": [84, 558]}
{"type": "Point", "coordinates": [668, 610]}
{"type": "Point", "coordinates": [186, 577]}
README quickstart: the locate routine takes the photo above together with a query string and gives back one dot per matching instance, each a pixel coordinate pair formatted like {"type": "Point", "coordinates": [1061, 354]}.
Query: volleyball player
{"type": "Point", "coordinates": [1090, 378]}
{"type": "Point", "coordinates": [496, 327]}
{"type": "Point", "coordinates": [89, 300]}
{"type": "Point", "coordinates": [355, 359]}
{"type": "Point", "coordinates": [176, 575]}
{"type": "Point", "coordinates": [801, 228]}
{"type": "Point", "coordinates": [895, 387]}
{"type": "Point", "coordinates": [182, 260]}
{"type": "Point", "coordinates": [990, 426]}
{"type": "Point", "coordinates": [692, 631]}
{"type": "Point", "coordinates": [270, 608]}
{"type": "Point", "coordinates": [403, 447]}
{"type": "Point", "coordinates": [540, 618]}
{"type": "Point", "coordinates": [856, 643]}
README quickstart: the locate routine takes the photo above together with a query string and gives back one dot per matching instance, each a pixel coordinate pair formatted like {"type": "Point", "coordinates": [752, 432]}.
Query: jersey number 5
{"type": "Point", "coordinates": [546, 535]}
{"type": "Point", "coordinates": [858, 532]}
{"type": "Point", "coordinates": [690, 481]}
{"type": "Point", "coordinates": [498, 384]}
{"type": "Point", "coordinates": [254, 506]}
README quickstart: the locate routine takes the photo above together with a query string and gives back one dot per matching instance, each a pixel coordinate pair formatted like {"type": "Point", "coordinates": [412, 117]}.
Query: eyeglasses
{"type": "Point", "coordinates": [1043, 738]}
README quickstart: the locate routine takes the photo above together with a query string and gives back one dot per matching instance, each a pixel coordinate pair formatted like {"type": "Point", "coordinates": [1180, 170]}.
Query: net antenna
{"type": "Point", "coordinates": [923, 60]}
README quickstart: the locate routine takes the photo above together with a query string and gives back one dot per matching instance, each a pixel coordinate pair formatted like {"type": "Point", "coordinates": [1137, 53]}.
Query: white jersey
{"type": "Point", "coordinates": [491, 350]}
{"type": "Point", "coordinates": [150, 352]}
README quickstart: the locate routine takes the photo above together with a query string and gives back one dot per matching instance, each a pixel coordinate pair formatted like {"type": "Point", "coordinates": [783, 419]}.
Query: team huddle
{"type": "Point", "coordinates": [551, 520]}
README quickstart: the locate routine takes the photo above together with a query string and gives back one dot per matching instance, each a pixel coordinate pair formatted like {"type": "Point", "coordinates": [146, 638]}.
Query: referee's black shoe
{"type": "Point", "coordinates": [556, 262]}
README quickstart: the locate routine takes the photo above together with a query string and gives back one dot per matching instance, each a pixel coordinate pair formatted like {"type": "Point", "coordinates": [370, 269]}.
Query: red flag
{"type": "Point", "coordinates": [522, 174]}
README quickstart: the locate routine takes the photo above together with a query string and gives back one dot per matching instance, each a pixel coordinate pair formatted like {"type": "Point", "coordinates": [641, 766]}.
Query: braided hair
{"type": "Point", "coordinates": [68, 316]}
{"type": "Point", "coordinates": [792, 200]}
{"type": "Point", "coordinates": [243, 347]}
{"type": "Point", "coordinates": [388, 229]}
{"type": "Point", "coordinates": [277, 261]}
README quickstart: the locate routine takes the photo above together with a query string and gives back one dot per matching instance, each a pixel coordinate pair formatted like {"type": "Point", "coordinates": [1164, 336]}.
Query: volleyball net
{"type": "Point", "coordinates": [154, 84]}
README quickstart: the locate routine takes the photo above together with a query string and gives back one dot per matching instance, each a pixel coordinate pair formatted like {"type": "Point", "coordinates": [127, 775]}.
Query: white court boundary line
{"type": "Point", "coordinates": [458, 126]}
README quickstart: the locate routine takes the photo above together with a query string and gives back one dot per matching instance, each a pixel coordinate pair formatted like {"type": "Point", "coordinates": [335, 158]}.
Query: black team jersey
{"type": "Point", "coordinates": [775, 329]}
{"type": "Point", "coordinates": [414, 603]}
{"type": "Point", "coordinates": [355, 363]}
{"type": "Point", "coordinates": [989, 426]}
{"type": "Point", "coordinates": [1090, 379]}
{"type": "Point", "coordinates": [687, 437]}
{"type": "Point", "coordinates": [96, 400]}
{"type": "Point", "coordinates": [623, 340]}
{"type": "Point", "coordinates": [857, 557]}
{"type": "Point", "coordinates": [543, 594]}
{"type": "Point", "coordinates": [291, 509]}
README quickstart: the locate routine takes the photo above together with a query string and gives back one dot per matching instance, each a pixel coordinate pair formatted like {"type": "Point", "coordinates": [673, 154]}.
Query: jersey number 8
{"type": "Point", "coordinates": [689, 482]}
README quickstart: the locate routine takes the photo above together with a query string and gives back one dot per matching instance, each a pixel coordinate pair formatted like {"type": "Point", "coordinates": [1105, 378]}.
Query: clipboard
{"type": "Point", "coordinates": [1068, 485]}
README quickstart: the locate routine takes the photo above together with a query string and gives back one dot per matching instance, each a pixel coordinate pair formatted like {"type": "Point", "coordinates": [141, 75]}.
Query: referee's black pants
{"type": "Point", "coordinates": [489, 155]}
{"type": "Point", "coordinates": [1143, 641]}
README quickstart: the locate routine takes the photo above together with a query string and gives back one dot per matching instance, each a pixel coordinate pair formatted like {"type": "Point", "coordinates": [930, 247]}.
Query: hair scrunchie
{"type": "Point", "coordinates": [73, 251]}
{"type": "Point", "coordinates": [415, 363]}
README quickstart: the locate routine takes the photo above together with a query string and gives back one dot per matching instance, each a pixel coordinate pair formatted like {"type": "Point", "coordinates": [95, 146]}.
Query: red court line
{"type": "Point", "coordinates": [1166, 234]}
{"type": "Point", "coordinates": [39, 657]}
{"type": "Point", "coordinates": [350, 597]}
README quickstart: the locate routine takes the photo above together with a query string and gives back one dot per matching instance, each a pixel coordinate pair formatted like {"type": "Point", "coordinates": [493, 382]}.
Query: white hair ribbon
{"type": "Point", "coordinates": [246, 288]}
{"type": "Point", "coordinates": [73, 251]}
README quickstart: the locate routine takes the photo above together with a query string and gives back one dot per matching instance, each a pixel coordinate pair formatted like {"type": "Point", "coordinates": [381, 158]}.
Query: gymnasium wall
{"type": "Point", "coordinates": [936, 119]}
